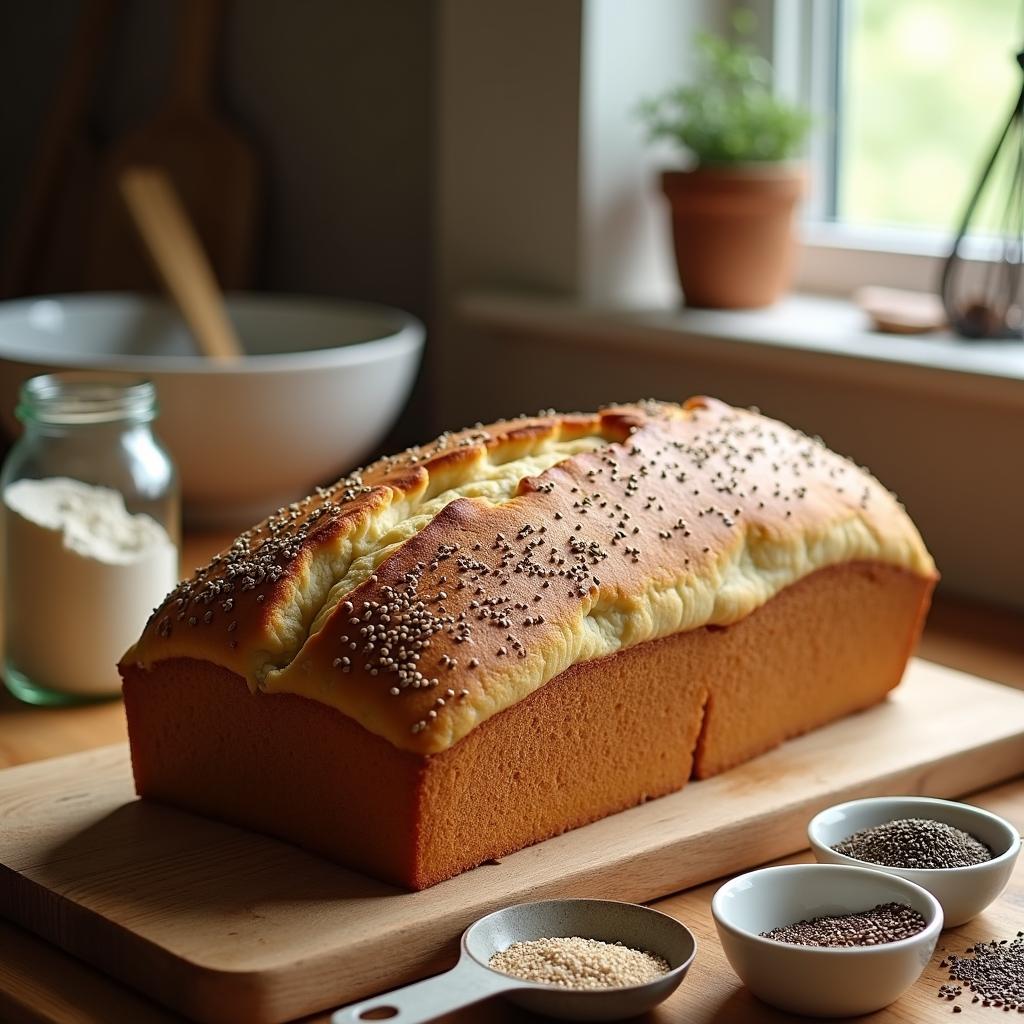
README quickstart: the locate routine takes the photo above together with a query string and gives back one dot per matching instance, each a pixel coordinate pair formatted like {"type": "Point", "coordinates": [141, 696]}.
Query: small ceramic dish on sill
{"type": "Point", "coordinates": [821, 981]}
{"type": "Point", "coordinates": [963, 892]}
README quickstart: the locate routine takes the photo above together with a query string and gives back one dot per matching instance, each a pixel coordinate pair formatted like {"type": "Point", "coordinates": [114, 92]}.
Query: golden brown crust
{"type": "Point", "coordinates": [684, 517]}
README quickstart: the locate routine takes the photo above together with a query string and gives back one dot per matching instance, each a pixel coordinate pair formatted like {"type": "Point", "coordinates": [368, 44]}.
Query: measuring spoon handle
{"type": "Point", "coordinates": [465, 984]}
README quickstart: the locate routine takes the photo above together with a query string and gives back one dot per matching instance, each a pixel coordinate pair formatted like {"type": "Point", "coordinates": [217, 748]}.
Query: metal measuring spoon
{"type": "Point", "coordinates": [471, 980]}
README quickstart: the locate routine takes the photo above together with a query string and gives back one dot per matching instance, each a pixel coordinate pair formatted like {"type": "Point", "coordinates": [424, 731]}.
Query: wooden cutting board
{"type": "Point", "coordinates": [228, 926]}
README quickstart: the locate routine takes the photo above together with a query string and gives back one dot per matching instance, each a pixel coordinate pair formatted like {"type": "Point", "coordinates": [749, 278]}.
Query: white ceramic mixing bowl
{"type": "Point", "coordinates": [321, 384]}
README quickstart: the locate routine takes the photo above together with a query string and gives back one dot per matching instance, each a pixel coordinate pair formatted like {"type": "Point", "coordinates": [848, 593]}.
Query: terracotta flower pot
{"type": "Point", "coordinates": [733, 231]}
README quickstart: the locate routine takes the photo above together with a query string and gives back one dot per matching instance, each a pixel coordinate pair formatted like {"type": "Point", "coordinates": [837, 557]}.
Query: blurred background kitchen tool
{"type": "Point", "coordinates": [212, 166]}
{"type": "Point", "coordinates": [983, 298]}
{"type": "Point", "coordinates": [177, 254]}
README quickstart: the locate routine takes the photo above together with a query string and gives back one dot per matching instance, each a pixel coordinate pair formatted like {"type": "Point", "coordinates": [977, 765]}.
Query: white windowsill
{"type": "Point", "coordinates": [836, 259]}
{"type": "Point", "coordinates": [812, 333]}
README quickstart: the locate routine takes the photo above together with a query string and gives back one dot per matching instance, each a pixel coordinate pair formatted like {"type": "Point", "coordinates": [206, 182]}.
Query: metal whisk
{"type": "Point", "coordinates": [982, 297]}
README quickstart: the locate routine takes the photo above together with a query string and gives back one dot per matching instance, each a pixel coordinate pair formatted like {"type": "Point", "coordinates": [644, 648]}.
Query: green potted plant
{"type": "Point", "coordinates": [732, 210]}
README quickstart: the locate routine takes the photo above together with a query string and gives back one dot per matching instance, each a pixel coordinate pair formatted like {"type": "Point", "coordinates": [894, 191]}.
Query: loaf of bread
{"type": "Point", "coordinates": [518, 629]}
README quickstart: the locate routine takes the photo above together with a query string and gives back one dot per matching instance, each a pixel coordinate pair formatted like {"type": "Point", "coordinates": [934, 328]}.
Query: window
{"type": "Point", "coordinates": [909, 98]}
{"type": "Point", "coordinates": [925, 87]}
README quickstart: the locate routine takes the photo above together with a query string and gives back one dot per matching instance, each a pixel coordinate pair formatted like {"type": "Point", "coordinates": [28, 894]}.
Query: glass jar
{"type": "Point", "coordinates": [90, 515]}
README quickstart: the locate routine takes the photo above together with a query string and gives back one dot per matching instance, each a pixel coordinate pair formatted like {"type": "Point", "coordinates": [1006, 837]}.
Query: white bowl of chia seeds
{"type": "Point", "coordinates": [962, 854]}
{"type": "Point", "coordinates": [826, 941]}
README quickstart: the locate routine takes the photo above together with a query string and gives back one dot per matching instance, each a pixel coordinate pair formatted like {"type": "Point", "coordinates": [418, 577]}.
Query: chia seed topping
{"type": "Point", "coordinates": [479, 587]}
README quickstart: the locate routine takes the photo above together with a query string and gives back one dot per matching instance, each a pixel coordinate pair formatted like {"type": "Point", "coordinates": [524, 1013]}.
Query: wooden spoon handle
{"type": "Point", "coordinates": [178, 256]}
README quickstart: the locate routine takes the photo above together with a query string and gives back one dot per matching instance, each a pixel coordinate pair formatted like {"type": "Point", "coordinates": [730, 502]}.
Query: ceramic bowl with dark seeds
{"type": "Point", "coordinates": [963, 892]}
{"type": "Point", "coordinates": [821, 981]}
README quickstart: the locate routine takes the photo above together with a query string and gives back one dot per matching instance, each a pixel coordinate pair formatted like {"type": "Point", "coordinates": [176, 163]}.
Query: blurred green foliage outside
{"type": "Point", "coordinates": [926, 89]}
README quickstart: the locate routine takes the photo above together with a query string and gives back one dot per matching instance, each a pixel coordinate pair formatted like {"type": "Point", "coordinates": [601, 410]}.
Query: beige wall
{"type": "Point", "coordinates": [544, 178]}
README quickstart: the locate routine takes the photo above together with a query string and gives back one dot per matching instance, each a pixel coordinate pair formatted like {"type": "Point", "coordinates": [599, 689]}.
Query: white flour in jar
{"type": "Point", "coordinates": [82, 576]}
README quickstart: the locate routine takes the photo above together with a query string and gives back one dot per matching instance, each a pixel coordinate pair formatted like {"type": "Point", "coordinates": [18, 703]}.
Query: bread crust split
{"type": "Point", "coordinates": [439, 589]}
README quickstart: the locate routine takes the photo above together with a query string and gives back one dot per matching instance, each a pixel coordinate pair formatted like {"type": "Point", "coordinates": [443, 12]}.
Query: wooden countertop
{"type": "Point", "coordinates": [39, 984]}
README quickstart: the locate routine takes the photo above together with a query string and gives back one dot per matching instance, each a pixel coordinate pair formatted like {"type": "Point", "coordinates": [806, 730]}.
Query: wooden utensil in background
{"type": "Point", "coordinates": [178, 256]}
{"type": "Point", "coordinates": [213, 168]}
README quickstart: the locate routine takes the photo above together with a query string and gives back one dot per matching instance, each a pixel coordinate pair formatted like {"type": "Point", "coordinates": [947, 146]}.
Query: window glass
{"type": "Point", "coordinates": [926, 87]}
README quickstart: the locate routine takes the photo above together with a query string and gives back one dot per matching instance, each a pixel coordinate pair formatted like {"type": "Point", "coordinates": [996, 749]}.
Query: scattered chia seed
{"type": "Point", "coordinates": [888, 922]}
{"type": "Point", "coordinates": [995, 974]}
{"type": "Point", "coordinates": [579, 963]}
{"type": "Point", "coordinates": [915, 843]}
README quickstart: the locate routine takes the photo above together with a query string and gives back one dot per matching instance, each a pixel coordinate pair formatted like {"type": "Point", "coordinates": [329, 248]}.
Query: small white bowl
{"type": "Point", "coordinates": [963, 892]}
{"type": "Point", "coordinates": [813, 980]}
